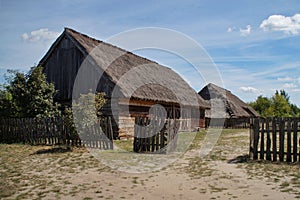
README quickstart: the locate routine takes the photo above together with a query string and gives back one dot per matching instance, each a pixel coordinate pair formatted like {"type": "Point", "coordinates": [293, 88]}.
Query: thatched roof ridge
{"type": "Point", "coordinates": [137, 77]}
{"type": "Point", "coordinates": [234, 107]}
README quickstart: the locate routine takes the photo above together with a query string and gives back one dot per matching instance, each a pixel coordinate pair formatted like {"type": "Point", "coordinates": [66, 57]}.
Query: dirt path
{"type": "Point", "coordinates": [225, 182]}
{"type": "Point", "coordinates": [78, 175]}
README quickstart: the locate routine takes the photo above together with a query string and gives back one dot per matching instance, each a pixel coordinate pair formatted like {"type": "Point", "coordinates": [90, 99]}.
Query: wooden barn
{"type": "Point", "coordinates": [132, 84]}
{"type": "Point", "coordinates": [226, 108]}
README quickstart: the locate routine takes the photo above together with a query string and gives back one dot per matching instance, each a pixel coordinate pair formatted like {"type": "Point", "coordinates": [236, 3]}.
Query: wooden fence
{"type": "Point", "coordinates": [234, 123]}
{"type": "Point", "coordinates": [55, 131]}
{"type": "Point", "coordinates": [275, 139]}
{"type": "Point", "coordinates": [155, 135]}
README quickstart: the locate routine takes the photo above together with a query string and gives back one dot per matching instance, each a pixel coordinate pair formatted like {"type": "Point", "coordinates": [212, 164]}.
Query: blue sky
{"type": "Point", "coordinates": [254, 44]}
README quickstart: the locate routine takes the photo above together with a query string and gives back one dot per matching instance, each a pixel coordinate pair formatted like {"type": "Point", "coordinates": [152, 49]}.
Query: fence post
{"type": "Point", "coordinates": [295, 139]}
{"type": "Point", "coordinates": [252, 138]}
{"type": "Point", "coordinates": [256, 138]}
{"type": "Point", "coordinates": [262, 140]}
{"type": "Point", "coordinates": [281, 140]}
{"type": "Point", "coordinates": [289, 142]}
{"type": "Point", "coordinates": [274, 139]}
{"type": "Point", "coordinates": [268, 150]}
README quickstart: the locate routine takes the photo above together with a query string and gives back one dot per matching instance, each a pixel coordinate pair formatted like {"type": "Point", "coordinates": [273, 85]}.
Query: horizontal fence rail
{"type": "Point", "coordinates": [275, 139]}
{"type": "Point", "coordinates": [55, 131]}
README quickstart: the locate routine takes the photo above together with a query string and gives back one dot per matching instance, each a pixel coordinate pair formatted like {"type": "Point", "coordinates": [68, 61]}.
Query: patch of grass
{"type": "Point", "coordinates": [197, 168]}
{"type": "Point", "coordinates": [134, 181]}
{"type": "Point", "coordinates": [284, 184]}
{"type": "Point", "coordinates": [198, 139]}
{"type": "Point", "coordinates": [285, 175]}
{"type": "Point", "coordinates": [216, 189]}
{"type": "Point", "coordinates": [27, 171]}
{"type": "Point", "coordinates": [126, 145]}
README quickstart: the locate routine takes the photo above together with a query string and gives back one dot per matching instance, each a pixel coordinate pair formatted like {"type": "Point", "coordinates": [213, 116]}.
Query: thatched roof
{"type": "Point", "coordinates": [225, 103]}
{"type": "Point", "coordinates": [137, 77]}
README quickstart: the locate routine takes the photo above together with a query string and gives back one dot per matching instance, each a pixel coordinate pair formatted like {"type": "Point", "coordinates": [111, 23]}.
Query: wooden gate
{"type": "Point", "coordinates": [155, 134]}
{"type": "Point", "coordinates": [275, 139]}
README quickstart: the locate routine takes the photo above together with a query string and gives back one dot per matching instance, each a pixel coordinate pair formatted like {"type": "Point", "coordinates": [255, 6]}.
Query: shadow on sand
{"type": "Point", "coordinates": [239, 159]}
{"type": "Point", "coordinates": [53, 150]}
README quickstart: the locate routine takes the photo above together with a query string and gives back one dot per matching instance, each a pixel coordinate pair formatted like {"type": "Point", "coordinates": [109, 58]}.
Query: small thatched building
{"type": "Point", "coordinates": [226, 108]}
{"type": "Point", "coordinates": [132, 84]}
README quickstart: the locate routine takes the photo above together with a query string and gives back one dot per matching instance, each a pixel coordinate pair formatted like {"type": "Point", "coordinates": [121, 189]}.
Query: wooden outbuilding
{"type": "Point", "coordinates": [226, 108]}
{"type": "Point", "coordinates": [132, 84]}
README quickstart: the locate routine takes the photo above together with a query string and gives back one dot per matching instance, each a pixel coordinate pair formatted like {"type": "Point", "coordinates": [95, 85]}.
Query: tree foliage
{"type": "Point", "coordinates": [87, 108]}
{"type": "Point", "coordinates": [277, 106]}
{"type": "Point", "coordinates": [28, 95]}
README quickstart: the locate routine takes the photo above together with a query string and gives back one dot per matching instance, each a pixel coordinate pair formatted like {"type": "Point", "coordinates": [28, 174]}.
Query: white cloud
{"type": "Point", "coordinates": [289, 85]}
{"type": "Point", "coordinates": [289, 25]}
{"type": "Point", "coordinates": [231, 29]}
{"type": "Point", "coordinates": [285, 79]}
{"type": "Point", "coordinates": [249, 89]}
{"type": "Point", "coordinates": [42, 34]}
{"type": "Point", "coordinates": [296, 90]}
{"type": "Point", "coordinates": [246, 31]}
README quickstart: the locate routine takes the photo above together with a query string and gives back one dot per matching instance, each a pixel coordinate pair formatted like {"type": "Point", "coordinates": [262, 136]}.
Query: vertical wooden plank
{"type": "Point", "coordinates": [161, 132]}
{"type": "Point", "coordinates": [48, 138]}
{"type": "Point", "coordinates": [157, 133]}
{"type": "Point", "coordinates": [262, 139]}
{"type": "Point", "coordinates": [281, 139]}
{"type": "Point", "coordinates": [251, 142]}
{"type": "Point", "coordinates": [274, 138]}
{"type": "Point", "coordinates": [298, 145]}
{"type": "Point", "coordinates": [152, 134]}
{"type": "Point", "coordinates": [289, 141]}
{"type": "Point", "coordinates": [1, 131]}
{"type": "Point", "coordinates": [295, 139]}
{"type": "Point", "coordinates": [111, 134]}
{"type": "Point", "coordinates": [142, 135]}
{"type": "Point", "coordinates": [62, 129]}
{"type": "Point", "coordinates": [135, 134]}
{"type": "Point", "coordinates": [147, 137]}
{"type": "Point", "coordinates": [268, 150]}
{"type": "Point", "coordinates": [256, 139]}
{"type": "Point", "coordinates": [139, 136]}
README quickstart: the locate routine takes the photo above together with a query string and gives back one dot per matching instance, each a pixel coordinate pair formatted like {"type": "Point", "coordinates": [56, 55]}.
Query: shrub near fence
{"type": "Point", "coordinates": [275, 139]}
{"type": "Point", "coordinates": [54, 131]}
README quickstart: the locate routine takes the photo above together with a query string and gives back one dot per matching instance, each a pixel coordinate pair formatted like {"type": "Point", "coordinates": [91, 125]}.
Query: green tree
{"type": "Point", "coordinates": [40, 95]}
{"type": "Point", "coordinates": [284, 94]}
{"type": "Point", "coordinates": [6, 103]}
{"type": "Point", "coordinates": [28, 95]}
{"type": "Point", "coordinates": [276, 106]}
{"type": "Point", "coordinates": [295, 110]}
{"type": "Point", "coordinates": [17, 89]}
{"type": "Point", "coordinates": [281, 106]}
{"type": "Point", "coordinates": [262, 105]}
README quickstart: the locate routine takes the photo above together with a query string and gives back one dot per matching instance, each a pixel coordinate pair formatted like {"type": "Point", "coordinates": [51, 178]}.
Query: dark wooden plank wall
{"type": "Point", "coordinates": [55, 131]}
{"type": "Point", "coordinates": [62, 66]}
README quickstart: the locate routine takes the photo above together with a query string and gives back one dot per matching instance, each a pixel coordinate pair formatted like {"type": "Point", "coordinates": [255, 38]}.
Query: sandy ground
{"type": "Point", "coordinates": [58, 176]}
{"type": "Point", "coordinates": [226, 182]}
